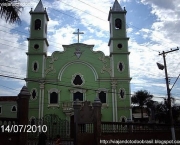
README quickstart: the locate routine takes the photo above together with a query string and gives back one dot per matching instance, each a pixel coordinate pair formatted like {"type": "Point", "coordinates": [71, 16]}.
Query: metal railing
{"type": "Point", "coordinates": [119, 127]}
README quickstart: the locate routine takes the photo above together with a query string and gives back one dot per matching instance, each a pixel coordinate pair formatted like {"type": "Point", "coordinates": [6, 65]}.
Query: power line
{"type": "Point", "coordinates": [63, 77]}
{"type": "Point", "coordinates": [56, 84]}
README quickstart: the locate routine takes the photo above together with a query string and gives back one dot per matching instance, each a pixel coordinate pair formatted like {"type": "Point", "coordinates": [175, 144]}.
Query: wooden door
{"type": "Point", "coordinates": [72, 126]}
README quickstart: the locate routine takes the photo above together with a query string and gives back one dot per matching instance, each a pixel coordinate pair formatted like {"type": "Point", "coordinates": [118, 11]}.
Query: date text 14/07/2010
{"type": "Point", "coordinates": [23, 128]}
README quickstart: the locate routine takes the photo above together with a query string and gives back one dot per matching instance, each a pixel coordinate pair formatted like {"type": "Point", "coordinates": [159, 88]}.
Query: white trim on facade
{"type": "Point", "coordinates": [40, 104]}
{"type": "Point", "coordinates": [120, 119]}
{"type": "Point", "coordinates": [42, 99]}
{"type": "Point", "coordinates": [115, 106]}
{"type": "Point", "coordinates": [43, 64]}
{"type": "Point", "coordinates": [112, 65]}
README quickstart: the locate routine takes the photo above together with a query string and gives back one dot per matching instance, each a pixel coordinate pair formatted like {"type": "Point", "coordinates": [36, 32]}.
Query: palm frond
{"type": "Point", "coordinates": [11, 11]}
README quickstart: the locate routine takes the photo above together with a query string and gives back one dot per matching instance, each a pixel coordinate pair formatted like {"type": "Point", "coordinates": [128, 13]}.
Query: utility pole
{"type": "Point", "coordinates": [168, 93]}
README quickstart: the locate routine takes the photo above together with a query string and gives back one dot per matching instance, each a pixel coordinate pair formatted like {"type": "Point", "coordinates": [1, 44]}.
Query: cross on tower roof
{"type": "Point", "coordinates": [78, 34]}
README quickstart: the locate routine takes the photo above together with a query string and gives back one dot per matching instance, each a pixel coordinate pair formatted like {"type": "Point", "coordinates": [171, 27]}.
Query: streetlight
{"type": "Point", "coordinates": [161, 67]}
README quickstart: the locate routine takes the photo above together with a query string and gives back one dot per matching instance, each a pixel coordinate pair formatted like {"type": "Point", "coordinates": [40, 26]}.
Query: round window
{"type": "Point", "coordinates": [119, 45]}
{"type": "Point", "coordinates": [36, 46]}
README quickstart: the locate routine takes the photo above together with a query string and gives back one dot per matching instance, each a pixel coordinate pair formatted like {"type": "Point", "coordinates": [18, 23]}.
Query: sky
{"type": "Point", "coordinates": [152, 26]}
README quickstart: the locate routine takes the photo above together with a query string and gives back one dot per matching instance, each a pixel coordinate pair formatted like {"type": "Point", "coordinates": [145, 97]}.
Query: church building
{"type": "Point", "coordinates": [78, 72]}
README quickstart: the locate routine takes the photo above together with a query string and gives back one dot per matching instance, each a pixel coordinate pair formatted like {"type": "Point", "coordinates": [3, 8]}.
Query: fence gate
{"type": "Point", "coordinates": [54, 126]}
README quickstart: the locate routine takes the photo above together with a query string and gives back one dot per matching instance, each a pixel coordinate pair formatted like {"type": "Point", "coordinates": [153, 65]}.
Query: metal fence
{"type": "Point", "coordinates": [52, 126]}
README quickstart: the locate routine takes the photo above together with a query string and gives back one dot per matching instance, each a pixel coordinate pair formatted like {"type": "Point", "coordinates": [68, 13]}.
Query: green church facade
{"type": "Point", "coordinates": [78, 72]}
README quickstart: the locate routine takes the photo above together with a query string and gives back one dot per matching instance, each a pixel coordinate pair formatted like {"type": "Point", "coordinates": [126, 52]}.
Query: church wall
{"type": "Point", "coordinates": [124, 113]}
{"type": "Point", "coordinates": [107, 113]}
{"type": "Point", "coordinates": [6, 108]}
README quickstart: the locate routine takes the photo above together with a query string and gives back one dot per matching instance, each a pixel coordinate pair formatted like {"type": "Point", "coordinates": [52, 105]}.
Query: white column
{"type": "Point", "coordinates": [42, 99]}
{"type": "Point", "coordinates": [114, 105]}
{"type": "Point", "coordinates": [40, 103]}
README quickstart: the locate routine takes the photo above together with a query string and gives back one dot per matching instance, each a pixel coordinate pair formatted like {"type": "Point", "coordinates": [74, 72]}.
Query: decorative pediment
{"type": "Point", "coordinates": [105, 66]}
{"type": "Point", "coordinates": [51, 68]}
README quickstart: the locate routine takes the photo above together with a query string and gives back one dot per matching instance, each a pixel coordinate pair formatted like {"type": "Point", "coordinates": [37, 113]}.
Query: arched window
{"type": "Point", "coordinates": [123, 119]}
{"type": "Point", "coordinates": [78, 95]}
{"type": "Point", "coordinates": [53, 98]}
{"type": "Point", "coordinates": [118, 24]}
{"type": "Point", "coordinates": [37, 24]}
{"type": "Point", "coordinates": [102, 97]}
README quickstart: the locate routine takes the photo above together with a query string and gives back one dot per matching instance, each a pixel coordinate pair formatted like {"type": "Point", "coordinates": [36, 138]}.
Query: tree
{"type": "Point", "coordinates": [10, 9]}
{"type": "Point", "coordinates": [162, 112]}
{"type": "Point", "coordinates": [141, 98]}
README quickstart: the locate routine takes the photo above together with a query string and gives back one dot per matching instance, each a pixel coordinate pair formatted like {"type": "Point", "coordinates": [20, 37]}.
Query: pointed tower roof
{"type": "Point", "coordinates": [116, 9]}
{"type": "Point", "coordinates": [116, 6]}
{"type": "Point", "coordinates": [39, 7]}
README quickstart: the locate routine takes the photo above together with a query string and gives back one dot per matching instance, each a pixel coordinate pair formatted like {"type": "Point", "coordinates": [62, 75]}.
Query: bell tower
{"type": "Point", "coordinates": [119, 55]}
{"type": "Point", "coordinates": [37, 52]}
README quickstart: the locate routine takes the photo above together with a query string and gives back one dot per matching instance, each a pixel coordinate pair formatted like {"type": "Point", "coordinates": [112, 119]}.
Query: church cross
{"type": "Point", "coordinates": [78, 33]}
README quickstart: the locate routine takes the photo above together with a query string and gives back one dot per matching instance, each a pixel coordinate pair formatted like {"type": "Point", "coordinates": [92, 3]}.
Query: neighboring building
{"type": "Point", "coordinates": [78, 72]}
{"type": "Point", "coordinates": [136, 115]}
{"type": "Point", "coordinates": [8, 106]}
